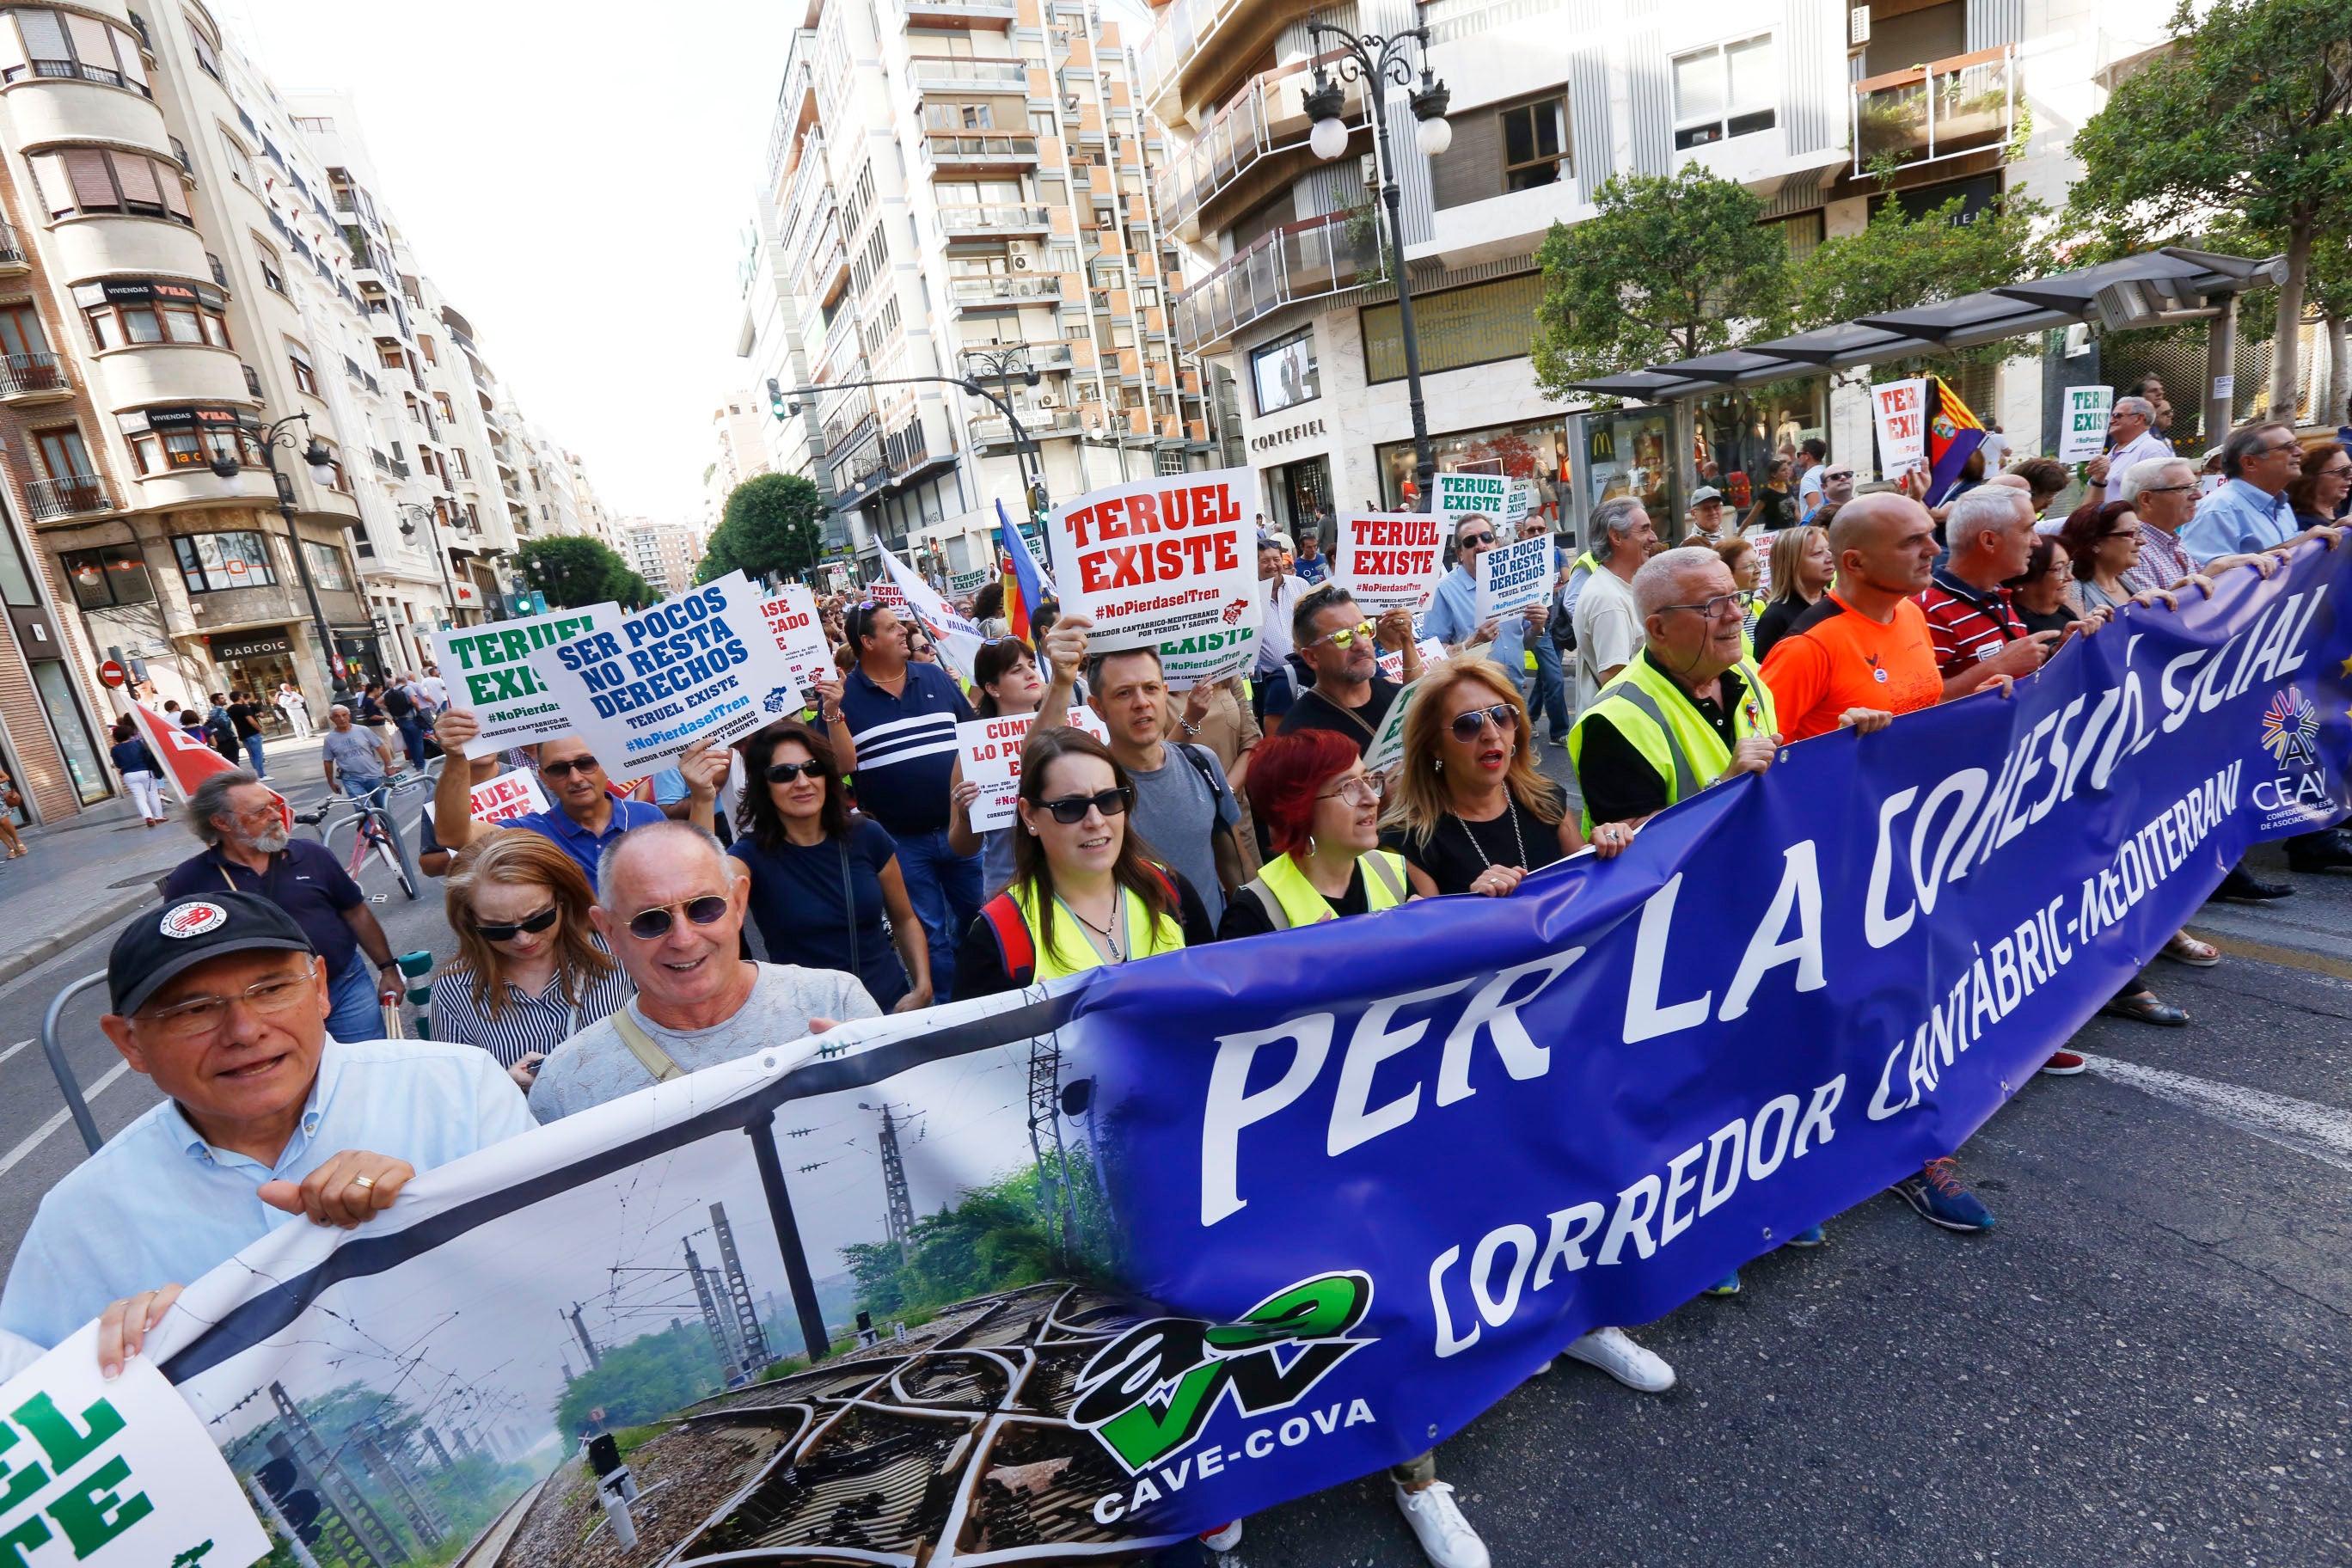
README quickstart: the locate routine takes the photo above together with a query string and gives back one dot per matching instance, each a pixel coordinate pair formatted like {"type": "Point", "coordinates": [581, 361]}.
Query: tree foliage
{"type": "Point", "coordinates": [1902, 263]}
{"type": "Point", "coordinates": [773, 526]}
{"type": "Point", "coordinates": [573, 571]}
{"type": "Point", "coordinates": [998, 1236]}
{"type": "Point", "coordinates": [2247, 119]}
{"type": "Point", "coordinates": [647, 1378]}
{"type": "Point", "coordinates": [1667, 268]}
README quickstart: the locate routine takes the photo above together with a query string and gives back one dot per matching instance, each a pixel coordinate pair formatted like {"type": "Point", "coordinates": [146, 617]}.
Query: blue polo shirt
{"type": "Point", "coordinates": [577, 841]}
{"type": "Point", "coordinates": [905, 747]}
{"type": "Point", "coordinates": [159, 1205]}
{"type": "Point", "coordinates": [304, 879]}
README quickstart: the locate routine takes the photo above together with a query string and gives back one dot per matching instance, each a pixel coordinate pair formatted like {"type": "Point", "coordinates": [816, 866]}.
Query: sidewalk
{"type": "Point", "coordinates": [84, 875]}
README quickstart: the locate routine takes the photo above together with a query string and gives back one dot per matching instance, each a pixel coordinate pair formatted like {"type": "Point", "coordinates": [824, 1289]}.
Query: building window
{"type": "Point", "coordinates": [240, 163]}
{"type": "Point", "coordinates": [305, 378]}
{"type": "Point", "coordinates": [85, 180]}
{"type": "Point", "coordinates": [1535, 136]}
{"type": "Point", "coordinates": [1475, 324]}
{"type": "Point", "coordinates": [114, 575]}
{"type": "Point", "coordinates": [215, 562]}
{"type": "Point", "coordinates": [125, 314]}
{"type": "Point", "coordinates": [327, 566]}
{"type": "Point", "coordinates": [63, 454]}
{"type": "Point", "coordinates": [465, 469]}
{"type": "Point", "coordinates": [22, 338]}
{"type": "Point", "coordinates": [165, 439]}
{"type": "Point", "coordinates": [66, 44]}
{"type": "Point", "coordinates": [206, 57]}
{"type": "Point", "coordinates": [1285, 372]}
{"type": "Point", "coordinates": [1723, 92]}
{"type": "Point", "coordinates": [270, 277]}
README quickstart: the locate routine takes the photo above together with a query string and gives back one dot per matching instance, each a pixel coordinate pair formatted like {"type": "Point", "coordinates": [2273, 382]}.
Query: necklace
{"type": "Point", "coordinates": [1517, 838]}
{"type": "Point", "coordinates": [1109, 944]}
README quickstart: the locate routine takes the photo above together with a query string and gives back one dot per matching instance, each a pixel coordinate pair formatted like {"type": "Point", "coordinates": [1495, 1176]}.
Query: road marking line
{"type": "Point", "coordinates": [12, 1050]}
{"type": "Point", "coordinates": [8, 1161]}
{"type": "Point", "coordinates": [2322, 1131]}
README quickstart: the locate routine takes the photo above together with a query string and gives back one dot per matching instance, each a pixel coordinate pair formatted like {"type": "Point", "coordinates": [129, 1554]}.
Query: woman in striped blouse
{"type": "Point", "coordinates": [531, 970]}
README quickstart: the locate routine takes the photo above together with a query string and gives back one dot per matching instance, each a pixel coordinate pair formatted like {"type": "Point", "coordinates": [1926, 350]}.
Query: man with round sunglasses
{"type": "Point", "coordinates": [671, 908]}
{"type": "Point", "coordinates": [1350, 696]}
{"type": "Point", "coordinates": [1453, 613]}
{"type": "Point", "coordinates": [266, 1117]}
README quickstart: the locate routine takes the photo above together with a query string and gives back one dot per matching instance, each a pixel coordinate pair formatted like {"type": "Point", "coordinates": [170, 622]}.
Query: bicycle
{"type": "Point", "coordinates": [368, 837]}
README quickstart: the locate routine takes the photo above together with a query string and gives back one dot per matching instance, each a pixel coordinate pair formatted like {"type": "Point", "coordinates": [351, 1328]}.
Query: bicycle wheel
{"type": "Point", "coordinates": [385, 849]}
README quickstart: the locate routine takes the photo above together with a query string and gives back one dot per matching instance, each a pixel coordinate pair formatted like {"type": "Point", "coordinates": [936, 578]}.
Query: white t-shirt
{"type": "Point", "coordinates": [1608, 632]}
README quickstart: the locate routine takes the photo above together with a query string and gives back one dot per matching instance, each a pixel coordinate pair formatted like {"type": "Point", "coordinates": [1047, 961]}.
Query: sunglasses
{"type": "Point", "coordinates": [1073, 808]}
{"type": "Point", "coordinates": [707, 910]}
{"type": "Point", "coordinates": [531, 923]}
{"type": "Point", "coordinates": [1471, 540]}
{"type": "Point", "coordinates": [564, 765]}
{"type": "Point", "coordinates": [785, 773]}
{"type": "Point", "coordinates": [1345, 635]}
{"type": "Point", "coordinates": [1837, 476]}
{"type": "Point", "coordinates": [1466, 726]}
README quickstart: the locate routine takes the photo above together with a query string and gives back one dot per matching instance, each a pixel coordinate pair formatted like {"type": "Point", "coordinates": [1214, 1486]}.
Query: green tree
{"type": "Point", "coordinates": [2249, 116]}
{"type": "Point", "coordinates": [642, 1380]}
{"type": "Point", "coordinates": [573, 570]}
{"type": "Point", "coordinates": [1901, 263]}
{"type": "Point", "coordinates": [773, 526]}
{"type": "Point", "coordinates": [1668, 268]}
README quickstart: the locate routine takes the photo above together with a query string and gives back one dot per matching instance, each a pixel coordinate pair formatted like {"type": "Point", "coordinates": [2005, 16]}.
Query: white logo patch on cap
{"type": "Point", "coordinates": [193, 920]}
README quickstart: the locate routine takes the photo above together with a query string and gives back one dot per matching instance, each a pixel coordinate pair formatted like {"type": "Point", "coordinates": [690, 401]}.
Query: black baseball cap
{"type": "Point", "coordinates": [162, 942]}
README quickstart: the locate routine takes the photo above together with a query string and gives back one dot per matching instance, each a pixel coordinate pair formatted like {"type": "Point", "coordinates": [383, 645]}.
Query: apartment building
{"type": "Point", "coordinates": [963, 189]}
{"type": "Point", "coordinates": [1795, 99]}
{"type": "Point", "coordinates": [739, 452]}
{"type": "Point", "coordinates": [664, 554]}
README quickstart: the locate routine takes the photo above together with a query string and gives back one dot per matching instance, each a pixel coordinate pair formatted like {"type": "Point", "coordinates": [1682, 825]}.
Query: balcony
{"type": "Point", "coordinates": [12, 250]}
{"type": "Point", "coordinates": [1220, 35]}
{"type": "Point", "coordinates": [1306, 260]}
{"type": "Point", "coordinates": [978, 359]}
{"type": "Point", "coordinates": [971, 294]}
{"type": "Point", "coordinates": [991, 430]}
{"type": "Point", "coordinates": [828, 267]}
{"type": "Point", "coordinates": [995, 222]}
{"type": "Point", "coordinates": [1266, 118]}
{"type": "Point", "coordinates": [1941, 110]}
{"type": "Point", "coordinates": [33, 378]}
{"type": "Point", "coordinates": [995, 16]}
{"type": "Point", "coordinates": [961, 152]}
{"type": "Point", "coordinates": [75, 495]}
{"type": "Point", "coordinates": [930, 73]}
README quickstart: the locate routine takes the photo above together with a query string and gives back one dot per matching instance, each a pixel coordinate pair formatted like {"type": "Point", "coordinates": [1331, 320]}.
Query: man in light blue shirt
{"type": "Point", "coordinates": [1452, 617]}
{"type": "Point", "coordinates": [2249, 512]}
{"type": "Point", "coordinates": [219, 999]}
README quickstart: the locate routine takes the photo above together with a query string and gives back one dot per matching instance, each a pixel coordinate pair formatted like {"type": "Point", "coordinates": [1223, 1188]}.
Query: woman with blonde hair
{"type": "Point", "coordinates": [531, 970]}
{"type": "Point", "coordinates": [1802, 567]}
{"type": "Point", "coordinates": [1469, 810]}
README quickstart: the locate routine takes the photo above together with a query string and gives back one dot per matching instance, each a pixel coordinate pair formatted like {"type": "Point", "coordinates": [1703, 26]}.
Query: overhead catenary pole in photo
{"type": "Point", "coordinates": [722, 1338]}
{"type": "Point", "coordinates": [761, 1131]}
{"type": "Point", "coordinates": [738, 1293]}
{"type": "Point", "coordinates": [372, 1543]}
{"type": "Point", "coordinates": [580, 1327]}
{"type": "Point", "coordinates": [898, 1206]}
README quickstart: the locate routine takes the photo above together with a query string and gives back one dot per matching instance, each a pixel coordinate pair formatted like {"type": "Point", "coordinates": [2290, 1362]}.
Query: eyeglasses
{"type": "Point", "coordinates": [563, 765]}
{"type": "Point", "coordinates": [1469, 539]}
{"type": "Point", "coordinates": [1711, 609]}
{"type": "Point", "coordinates": [1345, 635]}
{"type": "Point", "coordinates": [505, 931]}
{"type": "Point", "coordinates": [1354, 792]}
{"type": "Point", "coordinates": [1466, 726]}
{"type": "Point", "coordinates": [785, 773]}
{"type": "Point", "coordinates": [1073, 808]}
{"type": "Point", "coordinates": [200, 1015]}
{"type": "Point", "coordinates": [1837, 476]}
{"type": "Point", "coordinates": [647, 925]}
{"type": "Point", "coordinates": [2167, 489]}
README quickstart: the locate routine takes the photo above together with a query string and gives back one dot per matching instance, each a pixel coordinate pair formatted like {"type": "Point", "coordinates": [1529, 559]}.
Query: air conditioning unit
{"type": "Point", "coordinates": [1047, 400]}
{"type": "Point", "coordinates": [1070, 104]}
{"type": "Point", "coordinates": [1020, 263]}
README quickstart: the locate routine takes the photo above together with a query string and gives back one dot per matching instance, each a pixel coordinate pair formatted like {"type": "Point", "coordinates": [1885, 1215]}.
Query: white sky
{"type": "Point", "coordinates": [577, 179]}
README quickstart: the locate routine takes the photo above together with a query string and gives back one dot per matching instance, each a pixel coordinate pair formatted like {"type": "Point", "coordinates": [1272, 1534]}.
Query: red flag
{"type": "Point", "coordinates": [188, 760]}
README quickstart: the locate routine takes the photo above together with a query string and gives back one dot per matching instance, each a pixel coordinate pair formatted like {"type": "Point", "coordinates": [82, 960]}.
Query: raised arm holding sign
{"type": "Point", "coordinates": [489, 671]}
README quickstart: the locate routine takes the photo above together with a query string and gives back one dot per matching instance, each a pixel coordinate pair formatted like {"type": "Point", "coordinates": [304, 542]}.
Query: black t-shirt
{"type": "Point", "coordinates": [245, 714]}
{"type": "Point", "coordinates": [1619, 784]}
{"type": "Point", "coordinates": [980, 961]}
{"type": "Point", "coordinates": [1451, 856]}
{"type": "Point", "coordinates": [1244, 916]}
{"type": "Point", "coordinates": [1774, 510]}
{"type": "Point", "coordinates": [1778, 618]}
{"type": "Point", "coordinates": [1313, 711]}
{"type": "Point", "coordinates": [2057, 620]}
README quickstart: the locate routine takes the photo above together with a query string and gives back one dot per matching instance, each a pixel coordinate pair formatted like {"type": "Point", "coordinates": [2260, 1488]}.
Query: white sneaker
{"type": "Point", "coordinates": [1224, 1539]}
{"type": "Point", "coordinates": [1621, 1358]}
{"type": "Point", "coordinates": [1445, 1537]}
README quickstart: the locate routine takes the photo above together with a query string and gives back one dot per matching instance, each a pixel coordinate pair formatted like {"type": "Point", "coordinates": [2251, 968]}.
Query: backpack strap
{"type": "Point", "coordinates": [642, 1046]}
{"type": "Point", "coordinates": [1014, 943]}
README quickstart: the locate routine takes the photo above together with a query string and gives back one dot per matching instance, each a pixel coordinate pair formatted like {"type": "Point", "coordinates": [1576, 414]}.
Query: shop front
{"type": "Point", "coordinates": [1538, 450]}
{"type": "Point", "coordinates": [1630, 452]}
{"type": "Point", "coordinates": [358, 651]}
{"type": "Point", "coordinates": [259, 660]}
{"type": "Point", "coordinates": [1740, 433]}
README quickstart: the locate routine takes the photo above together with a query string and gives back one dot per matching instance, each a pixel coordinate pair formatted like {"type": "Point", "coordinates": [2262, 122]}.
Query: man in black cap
{"type": "Point", "coordinates": [220, 999]}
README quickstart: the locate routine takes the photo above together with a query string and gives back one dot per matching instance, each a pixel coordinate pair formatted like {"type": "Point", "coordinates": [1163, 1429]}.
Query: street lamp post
{"type": "Point", "coordinates": [432, 516]}
{"type": "Point", "coordinates": [323, 472]}
{"type": "Point", "coordinates": [1003, 365]}
{"type": "Point", "coordinates": [1379, 62]}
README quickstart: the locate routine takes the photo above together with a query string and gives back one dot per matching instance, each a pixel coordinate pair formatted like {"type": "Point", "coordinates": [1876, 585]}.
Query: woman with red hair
{"type": "Point", "coordinates": [1321, 812]}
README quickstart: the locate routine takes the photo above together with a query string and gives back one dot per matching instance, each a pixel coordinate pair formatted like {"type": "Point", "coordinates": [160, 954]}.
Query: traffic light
{"type": "Point", "coordinates": [1039, 502]}
{"type": "Point", "coordinates": [297, 1505]}
{"type": "Point", "coordinates": [776, 398]}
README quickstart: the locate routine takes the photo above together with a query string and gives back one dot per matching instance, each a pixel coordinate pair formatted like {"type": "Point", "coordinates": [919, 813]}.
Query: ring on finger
{"type": "Point", "coordinates": [364, 1183]}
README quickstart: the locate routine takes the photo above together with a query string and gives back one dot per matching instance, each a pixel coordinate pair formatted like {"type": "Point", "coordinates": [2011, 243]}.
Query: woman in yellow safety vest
{"type": "Point", "coordinates": [1321, 812]}
{"type": "Point", "coordinates": [1086, 892]}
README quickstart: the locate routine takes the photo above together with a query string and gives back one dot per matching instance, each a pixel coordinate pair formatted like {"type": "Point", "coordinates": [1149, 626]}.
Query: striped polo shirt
{"type": "Point", "coordinates": [525, 1023]}
{"type": "Point", "coordinates": [906, 746]}
{"type": "Point", "coordinates": [1966, 623]}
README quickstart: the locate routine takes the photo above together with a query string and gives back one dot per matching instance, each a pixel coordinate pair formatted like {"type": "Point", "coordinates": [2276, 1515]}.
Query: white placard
{"type": "Point", "coordinates": [1393, 664]}
{"type": "Point", "coordinates": [961, 584]}
{"type": "Point", "coordinates": [1514, 576]}
{"type": "Point", "coordinates": [1900, 408]}
{"type": "Point", "coordinates": [2085, 433]}
{"type": "Point", "coordinates": [489, 671]}
{"type": "Point", "coordinates": [1465, 495]}
{"type": "Point", "coordinates": [1519, 501]}
{"type": "Point", "coordinates": [791, 617]}
{"type": "Point", "coordinates": [114, 1475]}
{"type": "Point", "coordinates": [1389, 560]}
{"type": "Point", "coordinates": [1386, 749]}
{"type": "Point", "coordinates": [958, 637]}
{"type": "Point", "coordinates": [696, 667]}
{"type": "Point", "coordinates": [992, 759]}
{"type": "Point", "coordinates": [2225, 386]}
{"type": "Point", "coordinates": [1162, 561]}
{"type": "Point", "coordinates": [507, 796]}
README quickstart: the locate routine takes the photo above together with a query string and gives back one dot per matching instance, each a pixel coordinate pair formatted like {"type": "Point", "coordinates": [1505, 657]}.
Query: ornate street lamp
{"type": "Point", "coordinates": [323, 473]}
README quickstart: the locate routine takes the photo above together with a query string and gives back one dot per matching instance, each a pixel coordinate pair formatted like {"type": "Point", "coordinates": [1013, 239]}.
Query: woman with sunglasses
{"type": "Point", "coordinates": [1469, 810]}
{"type": "Point", "coordinates": [1006, 683]}
{"type": "Point", "coordinates": [2317, 494]}
{"type": "Point", "coordinates": [1321, 812]}
{"type": "Point", "coordinates": [530, 969]}
{"type": "Point", "coordinates": [1086, 892]}
{"type": "Point", "coordinates": [822, 875]}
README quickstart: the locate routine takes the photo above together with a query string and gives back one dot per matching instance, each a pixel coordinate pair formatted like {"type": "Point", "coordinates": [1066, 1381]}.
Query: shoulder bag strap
{"type": "Point", "coordinates": [649, 1055]}
{"type": "Point", "coordinates": [849, 903]}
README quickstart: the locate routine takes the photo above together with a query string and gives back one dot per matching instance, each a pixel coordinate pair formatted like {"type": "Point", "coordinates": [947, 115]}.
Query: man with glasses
{"type": "Point", "coordinates": [1972, 618]}
{"type": "Point", "coordinates": [220, 1000]}
{"type": "Point", "coordinates": [2131, 440]}
{"type": "Point", "coordinates": [2249, 512]}
{"type": "Point", "coordinates": [2162, 494]}
{"type": "Point", "coordinates": [1836, 488]}
{"type": "Point", "coordinates": [671, 912]}
{"type": "Point", "coordinates": [587, 818]}
{"type": "Point", "coordinates": [1452, 612]}
{"type": "Point", "coordinates": [1350, 697]}
{"type": "Point", "coordinates": [247, 850]}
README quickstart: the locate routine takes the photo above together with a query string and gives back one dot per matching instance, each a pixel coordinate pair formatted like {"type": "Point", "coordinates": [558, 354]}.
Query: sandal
{"type": "Point", "coordinates": [2142, 1006]}
{"type": "Point", "coordinates": [2186, 948]}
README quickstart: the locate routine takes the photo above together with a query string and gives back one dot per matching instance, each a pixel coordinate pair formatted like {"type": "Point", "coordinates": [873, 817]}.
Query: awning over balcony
{"type": "Point", "coordinates": [1984, 317]}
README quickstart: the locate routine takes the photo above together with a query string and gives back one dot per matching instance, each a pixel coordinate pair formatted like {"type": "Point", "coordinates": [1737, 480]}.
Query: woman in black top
{"type": "Point", "coordinates": [2040, 591]}
{"type": "Point", "coordinates": [1802, 568]}
{"type": "Point", "coordinates": [1775, 507]}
